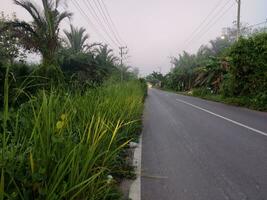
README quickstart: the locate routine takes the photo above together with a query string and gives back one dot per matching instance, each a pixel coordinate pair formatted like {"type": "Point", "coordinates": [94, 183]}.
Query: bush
{"type": "Point", "coordinates": [201, 92]}
{"type": "Point", "coordinates": [248, 71]}
{"type": "Point", "coordinates": [260, 101]}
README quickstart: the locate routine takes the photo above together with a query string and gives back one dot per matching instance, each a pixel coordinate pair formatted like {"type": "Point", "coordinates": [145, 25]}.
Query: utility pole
{"type": "Point", "coordinates": [122, 53]}
{"type": "Point", "coordinates": [238, 18]}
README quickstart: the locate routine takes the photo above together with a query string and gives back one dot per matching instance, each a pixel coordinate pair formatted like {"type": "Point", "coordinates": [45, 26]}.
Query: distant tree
{"type": "Point", "coordinates": [125, 73]}
{"type": "Point", "coordinates": [212, 66]}
{"type": "Point", "coordinates": [260, 30]}
{"type": "Point", "coordinates": [230, 33]}
{"type": "Point", "coordinates": [219, 45]}
{"type": "Point", "coordinates": [135, 71]}
{"type": "Point", "coordinates": [155, 78]}
{"type": "Point", "coordinates": [183, 70]}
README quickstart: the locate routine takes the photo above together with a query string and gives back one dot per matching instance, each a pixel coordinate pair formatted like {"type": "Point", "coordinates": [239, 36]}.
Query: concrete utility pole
{"type": "Point", "coordinates": [238, 18]}
{"type": "Point", "coordinates": [122, 52]}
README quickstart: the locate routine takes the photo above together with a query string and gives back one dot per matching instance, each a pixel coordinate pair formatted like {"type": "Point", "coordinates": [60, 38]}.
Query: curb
{"type": "Point", "coordinates": [135, 189]}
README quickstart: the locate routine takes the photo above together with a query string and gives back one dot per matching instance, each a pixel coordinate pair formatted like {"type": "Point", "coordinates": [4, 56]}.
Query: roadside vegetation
{"type": "Point", "coordinates": [66, 122]}
{"type": "Point", "coordinates": [226, 70]}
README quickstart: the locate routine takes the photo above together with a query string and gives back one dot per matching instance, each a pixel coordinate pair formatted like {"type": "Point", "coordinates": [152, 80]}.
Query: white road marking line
{"type": "Point", "coordinates": [225, 118]}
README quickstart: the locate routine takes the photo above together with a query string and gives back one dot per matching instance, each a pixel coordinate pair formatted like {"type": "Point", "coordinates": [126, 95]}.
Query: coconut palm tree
{"type": "Point", "coordinates": [42, 34]}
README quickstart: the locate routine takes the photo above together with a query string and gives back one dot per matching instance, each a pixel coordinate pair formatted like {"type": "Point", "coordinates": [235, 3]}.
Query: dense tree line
{"type": "Point", "coordinates": [225, 67]}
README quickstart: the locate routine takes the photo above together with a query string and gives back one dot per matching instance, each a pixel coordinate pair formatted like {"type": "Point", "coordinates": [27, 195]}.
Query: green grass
{"type": "Point", "coordinates": [67, 146]}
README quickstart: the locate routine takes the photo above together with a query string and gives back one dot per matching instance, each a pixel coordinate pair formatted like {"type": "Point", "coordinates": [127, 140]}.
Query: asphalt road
{"type": "Point", "coordinates": [201, 150]}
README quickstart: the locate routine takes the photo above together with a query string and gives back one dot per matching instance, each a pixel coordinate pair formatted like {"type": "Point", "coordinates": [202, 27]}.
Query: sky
{"type": "Point", "coordinates": [155, 30]}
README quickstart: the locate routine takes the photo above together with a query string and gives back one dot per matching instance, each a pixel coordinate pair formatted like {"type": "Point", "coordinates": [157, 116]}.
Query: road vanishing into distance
{"type": "Point", "coordinates": [195, 149]}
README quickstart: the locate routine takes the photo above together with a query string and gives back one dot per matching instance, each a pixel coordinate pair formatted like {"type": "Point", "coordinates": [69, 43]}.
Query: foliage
{"type": "Point", "coordinates": [234, 70]}
{"type": "Point", "coordinates": [42, 34]}
{"type": "Point", "coordinates": [205, 68]}
{"type": "Point", "coordinates": [88, 68]}
{"type": "Point", "coordinates": [248, 70]}
{"type": "Point", "coordinates": [230, 33]}
{"type": "Point", "coordinates": [201, 92]}
{"type": "Point", "coordinates": [81, 67]}
{"type": "Point", "coordinates": [105, 56]}
{"type": "Point", "coordinates": [247, 73]}
{"type": "Point", "coordinates": [76, 40]}
{"type": "Point", "coordinates": [144, 86]}
{"type": "Point", "coordinates": [155, 78]}
{"type": "Point", "coordinates": [63, 135]}
{"type": "Point", "coordinates": [9, 45]}
{"type": "Point", "coordinates": [62, 145]}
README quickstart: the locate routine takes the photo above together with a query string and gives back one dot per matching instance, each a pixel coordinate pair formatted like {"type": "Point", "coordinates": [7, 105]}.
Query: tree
{"type": "Point", "coordinates": [42, 34]}
{"type": "Point", "coordinates": [211, 75]}
{"type": "Point", "coordinates": [105, 59]}
{"type": "Point", "coordinates": [9, 45]}
{"type": "Point", "coordinates": [124, 71]}
{"type": "Point", "coordinates": [230, 33]}
{"type": "Point", "coordinates": [219, 45]}
{"type": "Point", "coordinates": [248, 70]}
{"type": "Point", "coordinates": [155, 78]}
{"type": "Point", "coordinates": [104, 54]}
{"type": "Point", "coordinates": [135, 72]}
{"type": "Point", "coordinates": [76, 39]}
{"type": "Point", "coordinates": [183, 70]}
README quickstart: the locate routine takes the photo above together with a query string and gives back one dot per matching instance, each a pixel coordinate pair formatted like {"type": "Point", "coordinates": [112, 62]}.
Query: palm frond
{"type": "Point", "coordinates": [77, 39]}
{"type": "Point", "coordinates": [44, 30]}
{"type": "Point", "coordinates": [32, 10]}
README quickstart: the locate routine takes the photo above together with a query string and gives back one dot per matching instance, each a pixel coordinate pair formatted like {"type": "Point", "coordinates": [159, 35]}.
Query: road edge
{"type": "Point", "coordinates": [135, 189]}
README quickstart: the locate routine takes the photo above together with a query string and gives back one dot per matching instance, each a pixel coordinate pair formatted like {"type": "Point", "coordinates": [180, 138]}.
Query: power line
{"type": "Point", "coordinates": [88, 20]}
{"type": "Point", "coordinates": [258, 24]}
{"type": "Point", "coordinates": [207, 24]}
{"type": "Point", "coordinates": [98, 20]}
{"type": "Point", "coordinates": [211, 22]}
{"type": "Point", "coordinates": [112, 22]}
{"type": "Point", "coordinates": [203, 22]}
{"type": "Point", "coordinates": [217, 20]}
{"type": "Point", "coordinates": [105, 19]}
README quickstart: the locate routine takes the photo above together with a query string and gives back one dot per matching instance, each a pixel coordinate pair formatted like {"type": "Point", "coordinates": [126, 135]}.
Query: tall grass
{"type": "Point", "coordinates": [62, 145]}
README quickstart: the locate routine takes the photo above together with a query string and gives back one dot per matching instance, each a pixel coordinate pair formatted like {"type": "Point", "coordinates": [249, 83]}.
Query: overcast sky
{"type": "Point", "coordinates": [154, 30]}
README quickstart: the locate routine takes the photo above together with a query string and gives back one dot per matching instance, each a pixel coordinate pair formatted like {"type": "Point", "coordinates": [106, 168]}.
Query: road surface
{"type": "Point", "coordinates": [195, 149]}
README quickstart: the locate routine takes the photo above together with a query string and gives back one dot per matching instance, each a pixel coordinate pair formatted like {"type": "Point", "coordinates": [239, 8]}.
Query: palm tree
{"type": "Point", "coordinates": [76, 39]}
{"type": "Point", "coordinates": [42, 34]}
{"type": "Point", "coordinates": [105, 60]}
{"type": "Point", "coordinates": [106, 55]}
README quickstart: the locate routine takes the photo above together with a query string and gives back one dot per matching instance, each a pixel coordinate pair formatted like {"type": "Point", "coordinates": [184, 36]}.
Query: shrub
{"type": "Point", "coordinates": [248, 70]}
{"type": "Point", "coordinates": [201, 92]}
